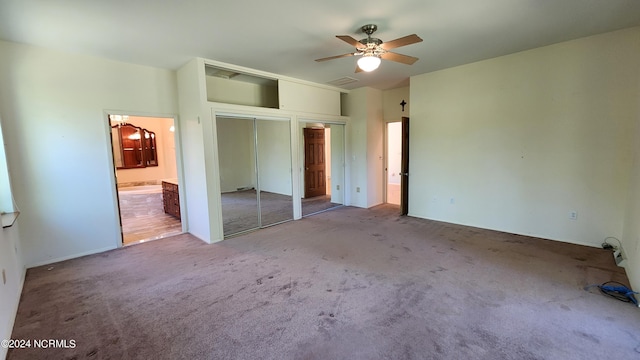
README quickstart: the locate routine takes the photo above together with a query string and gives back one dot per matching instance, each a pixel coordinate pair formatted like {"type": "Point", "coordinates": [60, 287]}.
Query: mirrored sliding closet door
{"type": "Point", "coordinates": [255, 173]}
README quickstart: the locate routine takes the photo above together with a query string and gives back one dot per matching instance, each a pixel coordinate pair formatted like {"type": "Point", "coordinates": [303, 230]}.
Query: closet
{"type": "Point", "coordinates": [255, 172]}
{"type": "Point", "coordinates": [242, 147]}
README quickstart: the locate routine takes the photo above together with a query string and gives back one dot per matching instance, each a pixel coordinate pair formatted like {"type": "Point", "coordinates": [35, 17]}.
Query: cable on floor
{"type": "Point", "coordinates": [617, 291]}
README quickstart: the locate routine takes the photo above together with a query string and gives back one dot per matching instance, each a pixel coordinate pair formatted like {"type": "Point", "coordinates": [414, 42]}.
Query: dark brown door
{"type": "Point", "coordinates": [404, 168]}
{"type": "Point", "coordinates": [314, 163]}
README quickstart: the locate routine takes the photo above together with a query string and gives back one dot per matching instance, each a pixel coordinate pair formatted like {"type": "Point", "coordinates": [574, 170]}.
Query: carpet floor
{"type": "Point", "coordinates": [345, 284]}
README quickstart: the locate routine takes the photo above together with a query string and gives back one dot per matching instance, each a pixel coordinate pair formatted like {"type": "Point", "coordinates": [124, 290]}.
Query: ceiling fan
{"type": "Point", "coordinates": [372, 49]}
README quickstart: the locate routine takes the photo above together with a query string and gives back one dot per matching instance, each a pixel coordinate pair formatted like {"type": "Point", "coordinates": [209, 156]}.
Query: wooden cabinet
{"type": "Point", "coordinates": [170, 197]}
{"type": "Point", "coordinates": [133, 146]}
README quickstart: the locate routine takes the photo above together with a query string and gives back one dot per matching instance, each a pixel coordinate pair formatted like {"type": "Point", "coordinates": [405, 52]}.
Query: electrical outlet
{"type": "Point", "coordinates": [358, 189]}
{"type": "Point", "coordinates": [337, 187]}
{"type": "Point", "coordinates": [573, 215]}
{"type": "Point", "coordinates": [620, 260]}
{"type": "Point", "coordinates": [452, 201]}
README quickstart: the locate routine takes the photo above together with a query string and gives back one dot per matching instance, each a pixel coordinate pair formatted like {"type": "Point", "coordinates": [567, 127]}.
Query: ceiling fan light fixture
{"type": "Point", "coordinates": [368, 62]}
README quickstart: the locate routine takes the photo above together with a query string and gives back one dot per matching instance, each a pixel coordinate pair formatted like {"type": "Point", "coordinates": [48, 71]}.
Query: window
{"type": "Point", "coordinates": [8, 208]}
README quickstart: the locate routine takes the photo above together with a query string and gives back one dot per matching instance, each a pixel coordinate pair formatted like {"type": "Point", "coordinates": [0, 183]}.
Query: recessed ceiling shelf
{"type": "Point", "coordinates": [232, 87]}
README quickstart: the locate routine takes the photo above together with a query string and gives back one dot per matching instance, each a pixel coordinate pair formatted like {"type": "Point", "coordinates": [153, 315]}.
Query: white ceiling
{"type": "Point", "coordinates": [285, 36]}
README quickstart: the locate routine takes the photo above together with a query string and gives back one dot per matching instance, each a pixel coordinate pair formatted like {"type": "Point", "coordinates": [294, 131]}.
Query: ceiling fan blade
{"type": "Point", "coordinates": [403, 41]}
{"type": "Point", "coordinates": [335, 57]}
{"type": "Point", "coordinates": [405, 59]}
{"type": "Point", "coordinates": [351, 41]}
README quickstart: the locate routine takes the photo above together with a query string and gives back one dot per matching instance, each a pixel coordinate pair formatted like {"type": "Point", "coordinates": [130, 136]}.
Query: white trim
{"type": "Point", "coordinates": [73, 256]}
{"type": "Point", "coordinates": [119, 240]}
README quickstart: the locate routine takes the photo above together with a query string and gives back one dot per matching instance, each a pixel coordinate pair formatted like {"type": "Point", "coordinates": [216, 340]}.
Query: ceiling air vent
{"type": "Point", "coordinates": [342, 81]}
{"type": "Point", "coordinates": [221, 73]}
{"type": "Point", "coordinates": [225, 74]}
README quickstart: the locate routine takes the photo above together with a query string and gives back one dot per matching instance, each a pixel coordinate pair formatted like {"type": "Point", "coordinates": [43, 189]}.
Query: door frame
{"type": "Point", "coordinates": [119, 239]}
{"type": "Point", "coordinates": [404, 161]}
{"type": "Point", "coordinates": [301, 123]}
{"type": "Point", "coordinates": [404, 168]}
{"type": "Point", "coordinates": [305, 176]}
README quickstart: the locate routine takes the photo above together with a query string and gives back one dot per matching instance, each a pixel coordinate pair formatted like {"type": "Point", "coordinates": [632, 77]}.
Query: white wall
{"type": "Point", "coordinates": [631, 234]}
{"type": "Point", "coordinates": [295, 96]}
{"type": "Point", "coordinates": [355, 107]}
{"type": "Point", "coordinates": [165, 149]}
{"type": "Point", "coordinates": [520, 141]}
{"type": "Point", "coordinates": [53, 109]}
{"type": "Point", "coordinates": [196, 154]}
{"type": "Point", "coordinates": [364, 107]}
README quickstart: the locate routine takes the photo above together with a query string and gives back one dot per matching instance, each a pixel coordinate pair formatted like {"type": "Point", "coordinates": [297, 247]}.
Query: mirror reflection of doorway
{"type": "Point", "coordinates": [145, 170]}
{"type": "Point", "coordinates": [323, 172]}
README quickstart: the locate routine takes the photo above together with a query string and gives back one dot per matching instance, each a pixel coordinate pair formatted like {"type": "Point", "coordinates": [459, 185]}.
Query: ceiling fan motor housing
{"type": "Point", "coordinates": [369, 29]}
{"type": "Point", "coordinates": [370, 40]}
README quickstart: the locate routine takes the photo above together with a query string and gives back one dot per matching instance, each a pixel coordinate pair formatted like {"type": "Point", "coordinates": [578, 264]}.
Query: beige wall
{"type": "Point", "coordinates": [241, 93]}
{"type": "Point", "coordinates": [518, 142]}
{"type": "Point", "coordinates": [53, 106]}
{"type": "Point", "coordinates": [364, 107]}
{"type": "Point", "coordinates": [391, 99]}
{"type": "Point", "coordinates": [631, 235]}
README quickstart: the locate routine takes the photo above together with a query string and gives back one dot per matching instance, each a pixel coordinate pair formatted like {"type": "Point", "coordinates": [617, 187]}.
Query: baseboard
{"type": "Point", "coordinates": [140, 183]}
{"type": "Point", "coordinates": [69, 257]}
{"type": "Point", "coordinates": [537, 236]}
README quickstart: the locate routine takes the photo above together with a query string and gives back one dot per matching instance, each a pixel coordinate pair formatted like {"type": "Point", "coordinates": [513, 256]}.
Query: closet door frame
{"type": "Point", "coordinates": [254, 117]}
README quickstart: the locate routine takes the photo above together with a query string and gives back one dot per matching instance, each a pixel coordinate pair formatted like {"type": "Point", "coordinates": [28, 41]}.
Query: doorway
{"type": "Point", "coordinates": [315, 174]}
{"type": "Point", "coordinates": [397, 166]}
{"type": "Point", "coordinates": [394, 162]}
{"type": "Point", "coordinates": [146, 178]}
{"type": "Point", "coordinates": [322, 155]}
